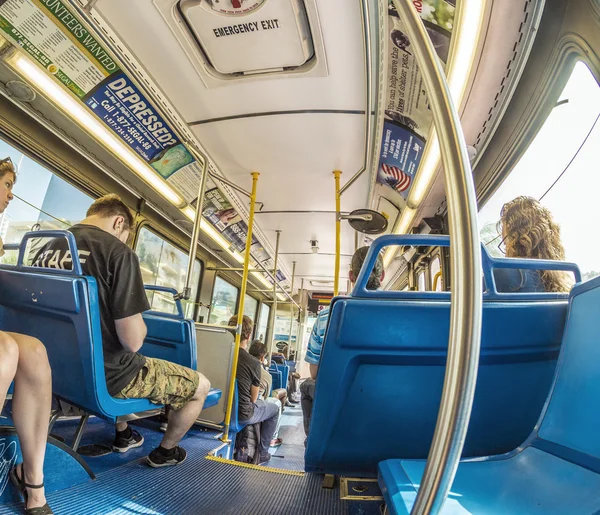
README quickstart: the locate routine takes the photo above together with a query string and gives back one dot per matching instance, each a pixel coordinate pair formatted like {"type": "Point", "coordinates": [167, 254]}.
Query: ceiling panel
{"type": "Point", "coordinates": [153, 43]}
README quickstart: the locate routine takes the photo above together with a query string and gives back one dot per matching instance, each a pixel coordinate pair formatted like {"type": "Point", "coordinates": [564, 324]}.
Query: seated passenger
{"type": "Point", "coordinates": [104, 255]}
{"type": "Point", "coordinates": [317, 335]}
{"type": "Point", "coordinates": [251, 409]}
{"type": "Point", "coordinates": [278, 396]}
{"type": "Point", "coordinates": [529, 231]}
{"type": "Point", "coordinates": [24, 360]}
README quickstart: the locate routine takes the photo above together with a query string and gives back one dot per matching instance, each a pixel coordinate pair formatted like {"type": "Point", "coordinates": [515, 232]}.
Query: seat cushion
{"type": "Point", "coordinates": [531, 482]}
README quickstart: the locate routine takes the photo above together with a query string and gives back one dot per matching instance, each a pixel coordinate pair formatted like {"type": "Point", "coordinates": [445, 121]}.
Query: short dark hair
{"type": "Point", "coordinates": [111, 205]}
{"type": "Point", "coordinates": [257, 349]}
{"type": "Point", "coordinates": [247, 326]}
{"type": "Point", "coordinates": [358, 260]}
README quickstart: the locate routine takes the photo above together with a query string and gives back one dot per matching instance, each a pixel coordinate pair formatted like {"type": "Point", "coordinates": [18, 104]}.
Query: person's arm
{"type": "Point", "coordinates": [128, 301]}
{"type": "Point", "coordinates": [131, 332]}
{"type": "Point", "coordinates": [255, 388]}
{"type": "Point", "coordinates": [254, 393]}
{"type": "Point", "coordinates": [315, 344]}
{"type": "Point", "coordinates": [313, 370]}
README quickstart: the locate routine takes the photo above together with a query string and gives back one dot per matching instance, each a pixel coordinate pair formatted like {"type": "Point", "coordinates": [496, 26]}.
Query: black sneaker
{"type": "Point", "coordinates": [264, 459]}
{"type": "Point", "coordinates": [157, 459]}
{"type": "Point", "coordinates": [122, 444]}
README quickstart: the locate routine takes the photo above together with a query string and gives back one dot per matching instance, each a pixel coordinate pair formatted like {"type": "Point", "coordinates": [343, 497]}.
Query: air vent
{"type": "Point", "coordinates": [250, 36]}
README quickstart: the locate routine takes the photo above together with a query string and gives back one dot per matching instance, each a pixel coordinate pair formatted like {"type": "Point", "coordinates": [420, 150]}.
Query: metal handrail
{"type": "Point", "coordinates": [465, 261]}
{"type": "Point", "coordinates": [187, 289]}
{"type": "Point", "coordinates": [368, 95]}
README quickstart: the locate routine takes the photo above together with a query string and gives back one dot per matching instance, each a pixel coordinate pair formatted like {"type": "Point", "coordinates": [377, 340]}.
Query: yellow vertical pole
{"type": "Point", "coordinates": [338, 228]}
{"type": "Point", "coordinates": [238, 331]}
{"type": "Point", "coordinates": [291, 310]}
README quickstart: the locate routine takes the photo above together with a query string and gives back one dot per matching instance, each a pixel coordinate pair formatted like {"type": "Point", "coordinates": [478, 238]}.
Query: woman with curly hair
{"type": "Point", "coordinates": [529, 231]}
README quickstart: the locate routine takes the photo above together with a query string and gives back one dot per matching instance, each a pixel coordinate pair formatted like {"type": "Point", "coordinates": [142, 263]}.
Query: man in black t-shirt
{"type": "Point", "coordinates": [104, 255]}
{"type": "Point", "coordinates": [251, 409]}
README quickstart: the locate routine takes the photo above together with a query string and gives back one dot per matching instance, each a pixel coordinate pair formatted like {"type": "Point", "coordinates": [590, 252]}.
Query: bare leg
{"type": "Point", "coordinates": [182, 419]}
{"type": "Point", "coordinates": [31, 411]}
{"type": "Point", "coordinates": [9, 359]}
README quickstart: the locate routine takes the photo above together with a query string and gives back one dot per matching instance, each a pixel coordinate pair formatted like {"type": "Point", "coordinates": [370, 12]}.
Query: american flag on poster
{"type": "Point", "coordinates": [401, 153]}
{"type": "Point", "coordinates": [395, 177]}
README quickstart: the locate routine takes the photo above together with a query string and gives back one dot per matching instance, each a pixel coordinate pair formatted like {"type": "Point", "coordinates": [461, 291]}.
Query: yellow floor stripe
{"type": "Point", "coordinates": [298, 473]}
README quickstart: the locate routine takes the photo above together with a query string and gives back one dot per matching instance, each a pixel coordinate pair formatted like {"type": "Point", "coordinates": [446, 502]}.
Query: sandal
{"type": "Point", "coordinates": [21, 485]}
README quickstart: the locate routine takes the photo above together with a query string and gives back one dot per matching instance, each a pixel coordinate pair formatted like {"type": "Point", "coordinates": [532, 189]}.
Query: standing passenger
{"type": "Point", "coordinates": [104, 255]}
{"type": "Point", "coordinates": [251, 409]}
{"type": "Point", "coordinates": [529, 231]}
{"type": "Point", "coordinates": [24, 360]}
{"type": "Point", "coordinates": [317, 335]}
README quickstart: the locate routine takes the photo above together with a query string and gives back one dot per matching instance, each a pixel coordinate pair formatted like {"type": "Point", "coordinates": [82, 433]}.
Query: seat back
{"type": "Point", "coordinates": [572, 417]}
{"type": "Point", "coordinates": [383, 362]}
{"type": "Point", "coordinates": [276, 376]}
{"type": "Point", "coordinates": [170, 337]}
{"type": "Point", "coordinates": [215, 347]}
{"type": "Point", "coordinates": [61, 308]}
{"type": "Point", "coordinates": [62, 312]}
{"type": "Point", "coordinates": [285, 373]}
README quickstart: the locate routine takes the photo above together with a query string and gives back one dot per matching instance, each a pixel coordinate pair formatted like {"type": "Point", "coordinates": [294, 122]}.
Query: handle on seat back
{"type": "Point", "coordinates": [489, 264]}
{"type": "Point", "coordinates": [172, 291]}
{"type": "Point", "coordinates": [76, 265]}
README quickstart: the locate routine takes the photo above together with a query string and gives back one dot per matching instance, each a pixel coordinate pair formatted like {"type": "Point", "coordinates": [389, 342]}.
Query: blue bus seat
{"type": "Point", "coordinates": [285, 374]}
{"type": "Point", "coordinates": [557, 470]}
{"type": "Point", "coordinates": [235, 426]}
{"type": "Point", "coordinates": [61, 308]}
{"type": "Point", "coordinates": [383, 362]}
{"type": "Point", "coordinates": [276, 375]}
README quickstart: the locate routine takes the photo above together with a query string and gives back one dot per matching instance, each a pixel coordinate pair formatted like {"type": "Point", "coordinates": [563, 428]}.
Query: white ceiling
{"type": "Point", "coordinates": [295, 154]}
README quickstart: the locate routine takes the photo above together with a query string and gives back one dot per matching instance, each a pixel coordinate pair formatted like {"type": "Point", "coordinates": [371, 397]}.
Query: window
{"type": "Point", "coordinates": [163, 264]}
{"type": "Point", "coordinates": [570, 196]}
{"type": "Point", "coordinates": [42, 201]}
{"type": "Point", "coordinates": [435, 269]}
{"type": "Point", "coordinates": [224, 302]}
{"type": "Point", "coordinates": [263, 322]}
{"type": "Point", "coordinates": [250, 306]}
{"type": "Point", "coordinates": [421, 286]}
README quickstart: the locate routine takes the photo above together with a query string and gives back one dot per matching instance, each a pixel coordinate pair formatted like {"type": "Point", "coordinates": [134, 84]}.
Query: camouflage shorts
{"type": "Point", "coordinates": [162, 382]}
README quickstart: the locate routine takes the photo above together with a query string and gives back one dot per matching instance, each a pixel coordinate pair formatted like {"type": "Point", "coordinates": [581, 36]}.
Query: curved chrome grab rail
{"type": "Point", "coordinates": [465, 260]}
{"type": "Point", "coordinates": [366, 23]}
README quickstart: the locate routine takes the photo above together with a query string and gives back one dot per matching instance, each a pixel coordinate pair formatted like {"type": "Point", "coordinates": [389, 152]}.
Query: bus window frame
{"type": "Point", "coordinates": [212, 294]}
{"type": "Point", "coordinates": [135, 232]}
{"type": "Point", "coordinates": [256, 314]}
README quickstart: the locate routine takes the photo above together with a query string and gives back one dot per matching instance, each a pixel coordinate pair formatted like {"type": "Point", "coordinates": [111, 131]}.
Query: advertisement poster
{"type": "Point", "coordinates": [222, 215]}
{"type": "Point", "coordinates": [401, 153]}
{"type": "Point", "coordinates": [408, 117]}
{"type": "Point", "coordinates": [49, 32]}
{"type": "Point", "coordinates": [51, 35]}
{"type": "Point", "coordinates": [54, 37]}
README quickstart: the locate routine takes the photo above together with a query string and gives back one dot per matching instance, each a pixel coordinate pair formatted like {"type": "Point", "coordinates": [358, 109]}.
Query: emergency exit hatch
{"type": "Point", "coordinates": [250, 36]}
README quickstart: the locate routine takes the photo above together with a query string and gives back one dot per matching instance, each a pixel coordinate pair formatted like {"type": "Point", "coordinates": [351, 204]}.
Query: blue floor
{"type": "Point", "coordinates": [125, 485]}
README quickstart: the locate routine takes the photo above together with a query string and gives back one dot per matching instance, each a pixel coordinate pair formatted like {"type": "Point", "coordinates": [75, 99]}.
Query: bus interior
{"type": "Point", "coordinates": [257, 153]}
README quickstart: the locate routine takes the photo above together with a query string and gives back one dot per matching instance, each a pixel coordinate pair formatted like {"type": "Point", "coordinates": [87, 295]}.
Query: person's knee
{"type": "Point", "coordinates": [307, 388]}
{"type": "Point", "coordinates": [203, 387]}
{"type": "Point", "coordinates": [9, 354]}
{"type": "Point", "coordinates": [33, 359]}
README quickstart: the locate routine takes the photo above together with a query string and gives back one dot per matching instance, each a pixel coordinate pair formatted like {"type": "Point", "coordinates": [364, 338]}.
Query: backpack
{"type": "Point", "coordinates": [247, 445]}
